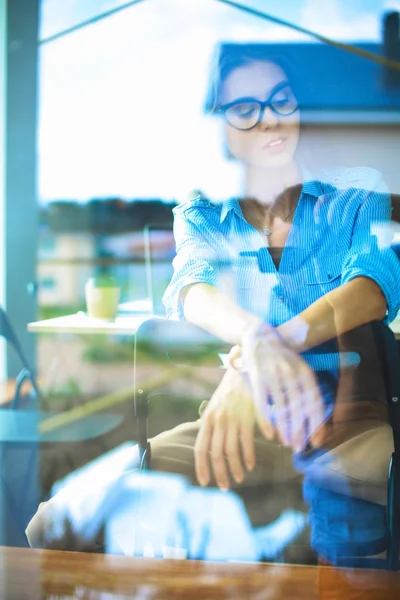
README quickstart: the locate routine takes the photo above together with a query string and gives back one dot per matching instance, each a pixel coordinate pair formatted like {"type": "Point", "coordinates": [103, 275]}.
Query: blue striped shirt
{"type": "Point", "coordinates": [339, 232]}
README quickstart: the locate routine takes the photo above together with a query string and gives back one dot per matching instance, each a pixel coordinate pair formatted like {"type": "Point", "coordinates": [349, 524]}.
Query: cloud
{"type": "Point", "coordinates": [391, 5]}
{"type": "Point", "coordinates": [339, 21]}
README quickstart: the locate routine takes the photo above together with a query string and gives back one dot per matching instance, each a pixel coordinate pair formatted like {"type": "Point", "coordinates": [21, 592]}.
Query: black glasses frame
{"type": "Point", "coordinates": [263, 105]}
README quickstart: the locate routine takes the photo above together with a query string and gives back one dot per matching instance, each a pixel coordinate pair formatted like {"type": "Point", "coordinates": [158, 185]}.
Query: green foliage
{"type": "Point", "coordinates": [63, 397]}
{"type": "Point", "coordinates": [103, 280]}
{"type": "Point", "coordinates": [101, 350]}
{"type": "Point", "coordinates": [58, 310]}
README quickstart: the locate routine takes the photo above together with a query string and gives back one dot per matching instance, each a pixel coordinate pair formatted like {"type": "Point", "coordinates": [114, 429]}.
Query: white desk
{"type": "Point", "coordinates": [124, 324]}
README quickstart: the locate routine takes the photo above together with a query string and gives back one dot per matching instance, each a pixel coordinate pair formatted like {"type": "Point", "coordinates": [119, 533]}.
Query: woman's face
{"type": "Point", "coordinates": [272, 142]}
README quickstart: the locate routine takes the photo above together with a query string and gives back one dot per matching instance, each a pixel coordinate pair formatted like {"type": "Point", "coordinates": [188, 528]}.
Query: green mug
{"type": "Point", "coordinates": [102, 295]}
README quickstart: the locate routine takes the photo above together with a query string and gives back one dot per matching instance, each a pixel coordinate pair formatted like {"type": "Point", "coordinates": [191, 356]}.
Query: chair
{"type": "Point", "coordinates": [26, 374]}
{"type": "Point", "coordinates": [181, 346]}
{"type": "Point", "coordinates": [392, 375]}
{"type": "Point", "coordinates": [390, 362]}
{"type": "Point", "coordinates": [20, 430]}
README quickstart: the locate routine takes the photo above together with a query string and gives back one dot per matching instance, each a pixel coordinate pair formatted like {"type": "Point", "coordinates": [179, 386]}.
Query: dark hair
{"type": "Point", "coordinates": [230, 56]}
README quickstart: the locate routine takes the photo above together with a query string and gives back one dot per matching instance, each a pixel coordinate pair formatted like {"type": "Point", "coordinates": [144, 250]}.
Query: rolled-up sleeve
{"type": "Point", "coordinates": [370, 254]}
{"type": "Point", "coordinates": [196, 261]}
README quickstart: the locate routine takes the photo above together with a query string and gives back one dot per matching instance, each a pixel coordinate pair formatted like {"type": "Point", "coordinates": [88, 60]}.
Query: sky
{"type": "Point", "coordinates": [120, 101]}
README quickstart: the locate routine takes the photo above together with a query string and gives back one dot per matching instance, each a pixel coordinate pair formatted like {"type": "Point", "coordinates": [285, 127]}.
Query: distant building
{"type": "Point", "coordinates": [60, 283]}
{"type": "Point", "coordinates": [68, 259]}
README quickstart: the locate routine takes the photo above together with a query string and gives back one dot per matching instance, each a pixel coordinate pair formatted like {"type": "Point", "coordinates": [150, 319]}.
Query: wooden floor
{"type": "Point", "coordinates": [30, 574]}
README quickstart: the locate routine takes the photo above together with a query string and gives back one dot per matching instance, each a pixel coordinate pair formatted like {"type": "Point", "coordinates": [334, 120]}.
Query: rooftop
{"type": "Point", "coordinates": [335, 85]}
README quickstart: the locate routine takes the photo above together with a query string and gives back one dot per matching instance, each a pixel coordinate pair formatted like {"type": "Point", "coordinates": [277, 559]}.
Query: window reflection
{"type": "Point", "coordinates": [284, 251]}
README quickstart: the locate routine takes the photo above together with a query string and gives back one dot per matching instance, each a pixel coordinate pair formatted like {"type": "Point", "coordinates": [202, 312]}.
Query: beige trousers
{"type": "Point", "coordinates": [357, 466]}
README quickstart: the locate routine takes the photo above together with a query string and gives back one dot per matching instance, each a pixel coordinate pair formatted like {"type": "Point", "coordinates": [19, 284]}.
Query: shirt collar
{"type": "Point", "coordinates": [231, 204]}
{"type": "Point", "coordinates": [311, 187]}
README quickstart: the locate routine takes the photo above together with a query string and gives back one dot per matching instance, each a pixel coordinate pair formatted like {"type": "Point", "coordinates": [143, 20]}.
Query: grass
{"type": "Point", "coordinates": [53, 311]}
{"type": "Point", "coordinates": [103, 351]}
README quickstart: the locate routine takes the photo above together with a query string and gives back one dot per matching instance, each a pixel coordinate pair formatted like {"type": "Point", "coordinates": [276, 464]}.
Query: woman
{"type": "Point", "coordinates": [304, 263]}
{"type": "Point", "coordinates": [307, 262]}
{"type": "Point", "coordinates": [287, 266]}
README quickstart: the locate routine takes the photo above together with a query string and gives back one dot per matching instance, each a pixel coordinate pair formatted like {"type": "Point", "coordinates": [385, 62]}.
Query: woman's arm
{"type": "Point", "coordinates": [369, 289]}
{"type": "Point", "coordinates": [351, 305]}
{"type": "Point", "coordinates": [210, 308]}
{"type": "Point", "coordinates": [347, 307]}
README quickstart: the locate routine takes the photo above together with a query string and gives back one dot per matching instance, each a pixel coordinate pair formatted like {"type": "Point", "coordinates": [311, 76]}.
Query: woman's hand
{"type": "Point", "coordinates": [225, 442]}
{"type": "Point", "coordinates": [284, 388]}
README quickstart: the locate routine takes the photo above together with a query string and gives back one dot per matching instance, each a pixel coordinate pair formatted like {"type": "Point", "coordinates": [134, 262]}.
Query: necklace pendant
{"type": "Point", "coordinates": [267, 231]}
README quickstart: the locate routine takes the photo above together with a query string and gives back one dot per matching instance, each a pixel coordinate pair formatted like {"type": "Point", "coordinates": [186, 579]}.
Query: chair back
{"type": "Point", "coordinates": [26, 373]}
{"type": "Point", "coordinates": [391, 366]}
{"type": "Point", "coordinates": [377, 348]}
{"type": "Point", "coordinates": [175, 344]}
{"type": "Point", "coordinates": [180, 343]}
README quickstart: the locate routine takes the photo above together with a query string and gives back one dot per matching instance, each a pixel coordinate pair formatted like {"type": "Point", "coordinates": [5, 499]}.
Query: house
{"type": "Point", "coordinates": [65, 262]}
{"type": "Point", "coordinates": [71, 253]}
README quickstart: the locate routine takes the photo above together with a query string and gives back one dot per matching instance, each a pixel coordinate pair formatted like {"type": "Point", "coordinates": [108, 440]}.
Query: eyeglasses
{"type": "Point", "coordinates": [246, 113]}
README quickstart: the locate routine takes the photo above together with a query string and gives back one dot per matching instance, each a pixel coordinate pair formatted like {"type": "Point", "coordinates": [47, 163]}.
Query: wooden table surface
{"type": "Point", "coordinates": [47, 574]}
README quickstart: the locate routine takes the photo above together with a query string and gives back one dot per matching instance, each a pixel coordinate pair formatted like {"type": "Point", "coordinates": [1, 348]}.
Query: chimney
{"type": "Point", "coordinates": [391, 47]}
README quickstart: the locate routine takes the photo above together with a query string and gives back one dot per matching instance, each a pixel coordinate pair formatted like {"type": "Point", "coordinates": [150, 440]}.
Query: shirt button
{"type": "Point", "coordinates": [329, 275]}
{"type": "Point", "coordinates": [280, 298]}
